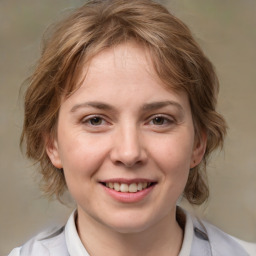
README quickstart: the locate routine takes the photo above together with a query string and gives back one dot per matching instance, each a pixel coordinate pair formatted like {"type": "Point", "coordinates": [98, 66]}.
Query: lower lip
{"type": "Point", "coordinates": [125, 197]}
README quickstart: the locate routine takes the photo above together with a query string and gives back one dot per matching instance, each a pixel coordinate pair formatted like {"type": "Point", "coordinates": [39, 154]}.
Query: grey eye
{"type": "Point", "coordinates": [95, 121]}
{"type": "Point", "coordinates": [159, 120]}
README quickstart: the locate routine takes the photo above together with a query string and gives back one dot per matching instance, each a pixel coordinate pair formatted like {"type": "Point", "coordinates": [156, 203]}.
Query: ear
{"type": "Point", "coordinates": [199, 150]}
{"type": "Point", "coordinates": [52, 151]}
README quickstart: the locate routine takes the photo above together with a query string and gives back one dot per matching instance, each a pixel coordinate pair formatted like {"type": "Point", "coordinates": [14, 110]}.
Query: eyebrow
{"type": "Point", "coordinates": [161, 104]}
{"type": "Point", "coordinates": [94, 104]}
{"type": "Point", "coordinates": [146, 107]}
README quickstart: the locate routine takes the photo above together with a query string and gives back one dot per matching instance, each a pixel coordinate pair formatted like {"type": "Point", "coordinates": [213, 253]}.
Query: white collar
{"type": "Point", "coordinates": [76, 248]}
{"type": "Point", "coordinates": [188, 235]}
{"type": "Point", "coordinates": [73, 241]}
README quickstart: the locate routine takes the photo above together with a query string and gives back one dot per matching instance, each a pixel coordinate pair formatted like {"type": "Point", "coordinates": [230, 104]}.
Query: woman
{"type": "Point", "coordinates": [121, 112]}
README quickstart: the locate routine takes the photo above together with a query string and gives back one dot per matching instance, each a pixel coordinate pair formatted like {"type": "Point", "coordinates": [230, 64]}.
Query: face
{"type": "Point", "coordinates": [125, 143]}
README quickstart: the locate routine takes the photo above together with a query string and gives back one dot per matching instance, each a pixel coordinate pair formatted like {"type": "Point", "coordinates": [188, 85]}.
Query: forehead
{"type": "Point", "coordinates": [129, 56]}
{"type": "Point", "coordinates": [124, 73]}
{"type": "Point", "coordinates": [124, 54]}
{"type": "Point", "coordinates": [127, 64]}
{"type": "Point", "coordinates": [121, 58]}
{"type": "Point", "coordinates": [122, 65]}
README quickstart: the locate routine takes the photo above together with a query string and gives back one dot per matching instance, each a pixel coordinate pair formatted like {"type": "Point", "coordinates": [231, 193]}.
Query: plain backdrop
{"type": "Point", "coordinates": [226, 30]}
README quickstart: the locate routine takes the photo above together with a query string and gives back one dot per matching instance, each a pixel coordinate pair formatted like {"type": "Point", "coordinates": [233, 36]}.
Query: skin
{"type": "Point", "coordinates": [123, 123]}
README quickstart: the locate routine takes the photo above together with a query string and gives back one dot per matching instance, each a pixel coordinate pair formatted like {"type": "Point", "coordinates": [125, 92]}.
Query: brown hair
{"type": "Point", "coordinates": [178, 60]}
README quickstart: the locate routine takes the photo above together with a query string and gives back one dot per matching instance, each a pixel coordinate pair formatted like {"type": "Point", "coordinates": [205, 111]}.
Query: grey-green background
{"type": "Point", "coordinates": [226, 29]}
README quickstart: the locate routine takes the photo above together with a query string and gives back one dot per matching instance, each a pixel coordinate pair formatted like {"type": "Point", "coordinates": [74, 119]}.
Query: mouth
{"type": "Point", "coordinates": [133, 187]}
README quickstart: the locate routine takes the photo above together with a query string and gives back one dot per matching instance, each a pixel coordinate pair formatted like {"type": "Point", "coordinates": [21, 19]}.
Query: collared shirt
{"type": "Point", "coordinates": [76, 248]}
{"type": "Point", "coordinates": [200, 239]}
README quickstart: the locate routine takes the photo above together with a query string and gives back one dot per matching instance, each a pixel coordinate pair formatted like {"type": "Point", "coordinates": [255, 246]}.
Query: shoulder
{"type": "Point", "coordinates": [15, 252]}
{"type": "Point", "coordinates": [222, 243]}
{"type": "Point", "coordinates": [201, 236]}
{"type": "Point", "coordinates": [249, 247]}
{"type": "Point", "coordinates": [49, 242]}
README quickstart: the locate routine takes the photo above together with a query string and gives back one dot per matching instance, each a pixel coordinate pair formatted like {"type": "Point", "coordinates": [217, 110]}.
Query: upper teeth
{"type": "Point", "coordinates": [123, 187]}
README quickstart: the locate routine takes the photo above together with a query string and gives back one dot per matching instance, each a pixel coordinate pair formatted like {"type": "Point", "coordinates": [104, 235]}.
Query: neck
{"type": "Point", "coordinates": [163, 238]}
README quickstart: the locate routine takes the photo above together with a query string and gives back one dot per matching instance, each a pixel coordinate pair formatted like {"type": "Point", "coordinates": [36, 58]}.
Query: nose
{"type": "Point", "coordinates": [128, 147]}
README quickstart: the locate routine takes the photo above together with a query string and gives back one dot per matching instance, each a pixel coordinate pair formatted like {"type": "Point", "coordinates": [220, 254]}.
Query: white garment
{"type": "Point", "coordinates": [200, 239]}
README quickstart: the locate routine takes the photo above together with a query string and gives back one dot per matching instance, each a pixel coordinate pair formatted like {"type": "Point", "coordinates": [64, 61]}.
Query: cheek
{"type": "Point", "coordinates": [80, 165]}
{"type": "Point", "coordinates": [81, 155]}
{"type": "Point", "coordinates": [173, 153]}
{"type": "Point", "coordinates": [173, 158]}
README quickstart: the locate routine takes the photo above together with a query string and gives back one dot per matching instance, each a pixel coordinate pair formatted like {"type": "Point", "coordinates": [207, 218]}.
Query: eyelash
{"type": "Point", "coordinates": [165, 120]}
{"type": "Point", "coordinates": [88, 120]}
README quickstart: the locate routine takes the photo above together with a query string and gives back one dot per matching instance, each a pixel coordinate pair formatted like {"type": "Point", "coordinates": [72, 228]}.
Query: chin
{"type": "Point", "coordinates": [130, 228]}
{"type": "Point", "coordinates": [129, 223]}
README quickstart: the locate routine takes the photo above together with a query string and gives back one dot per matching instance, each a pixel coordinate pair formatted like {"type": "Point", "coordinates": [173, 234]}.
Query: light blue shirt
{"type": "Point", "coordinates": [200, 239]}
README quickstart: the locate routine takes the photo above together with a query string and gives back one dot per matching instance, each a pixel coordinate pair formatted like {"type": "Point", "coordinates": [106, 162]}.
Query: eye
{"type": "Point", "coordinates": [161, 120]}
{"type": "Point", "coordinates": [94, 121]}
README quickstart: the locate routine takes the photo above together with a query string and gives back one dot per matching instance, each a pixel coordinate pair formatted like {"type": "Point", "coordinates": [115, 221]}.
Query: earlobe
{"type": "Point", "coordinates": [52, 151]}
{"type": "Point", "coordinates": [199, 150]}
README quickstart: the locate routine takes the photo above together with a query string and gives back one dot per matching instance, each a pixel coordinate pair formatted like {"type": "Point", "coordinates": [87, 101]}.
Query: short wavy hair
{"type": "Point", "coordinates": [100, 24]}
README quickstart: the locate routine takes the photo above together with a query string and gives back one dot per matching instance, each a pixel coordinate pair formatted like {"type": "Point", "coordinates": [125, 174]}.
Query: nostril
{"type": "Point", "coordinates": [128, 152]}
{"type": "Point", "coordinates": [129, 164]}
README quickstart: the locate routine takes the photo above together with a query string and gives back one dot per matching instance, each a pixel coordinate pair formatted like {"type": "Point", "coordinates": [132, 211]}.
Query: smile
{"type": "Point", "coordinates": [128, 188]}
